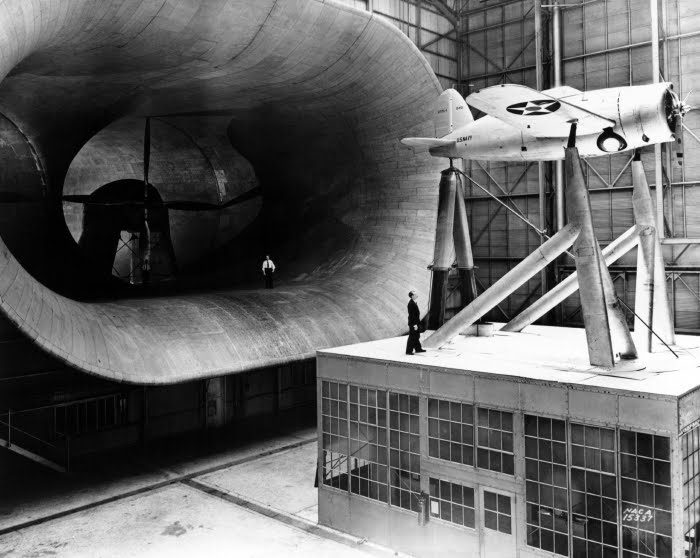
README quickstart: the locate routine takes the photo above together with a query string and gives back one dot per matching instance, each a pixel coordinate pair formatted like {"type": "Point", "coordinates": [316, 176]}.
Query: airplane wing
{"type": "Point", "coordinates": [537, 113]}
{"type": "Point", "coordinates": [562, 91]}
{"type": "Point", "coordinates": [426, 142]}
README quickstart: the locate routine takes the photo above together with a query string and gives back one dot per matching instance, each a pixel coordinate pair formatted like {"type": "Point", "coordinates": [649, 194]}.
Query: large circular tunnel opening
{"type": "Point", "coordinates": [201, 194]}
{"type": "Point", "coordinates": [301, 103]}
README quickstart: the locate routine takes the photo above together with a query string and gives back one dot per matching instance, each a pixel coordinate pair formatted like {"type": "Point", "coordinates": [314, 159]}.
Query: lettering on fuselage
{"type": "Point", "coordinates": [464, 138]}
{"type": "Point", "coordinates": [442, 111]}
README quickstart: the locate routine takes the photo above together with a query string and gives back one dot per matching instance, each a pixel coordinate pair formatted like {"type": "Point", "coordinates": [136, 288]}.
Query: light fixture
{"type": "Point", "coordinates": [610, 142]}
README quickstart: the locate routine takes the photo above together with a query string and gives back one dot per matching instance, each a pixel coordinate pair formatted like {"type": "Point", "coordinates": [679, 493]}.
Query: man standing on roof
{"type": "Point", "coordinates": [413, 325]}
{"type": "Point", "coordinates": [268, 268]}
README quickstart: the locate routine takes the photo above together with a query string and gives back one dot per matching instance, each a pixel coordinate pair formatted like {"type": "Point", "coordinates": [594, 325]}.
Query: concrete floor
{"type": "Point", "coordinates": [254, 499]}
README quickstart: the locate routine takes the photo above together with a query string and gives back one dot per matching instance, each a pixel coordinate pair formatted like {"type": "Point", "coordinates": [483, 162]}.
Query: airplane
{"type": "Point", "coordinates": [522, 124]}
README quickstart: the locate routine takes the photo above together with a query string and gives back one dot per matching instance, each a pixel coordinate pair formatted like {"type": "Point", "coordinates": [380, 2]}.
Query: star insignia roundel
{"type": "Point", "coordinates": [534, 108]}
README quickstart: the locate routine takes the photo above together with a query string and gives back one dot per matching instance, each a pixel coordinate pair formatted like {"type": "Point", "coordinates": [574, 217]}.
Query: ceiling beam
{"type": "Point", "coordinates": [445, 10]}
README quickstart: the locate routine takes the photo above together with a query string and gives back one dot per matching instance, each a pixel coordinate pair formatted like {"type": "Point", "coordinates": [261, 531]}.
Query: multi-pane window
{"type": "Point", "coordinates": [593, 492]}
{"type": "Point", "coordinates": [645, 480]}
{"type": "Point", "coordinates": [452, 502]}
{"type": "Point", "coordinates": [334, 426]}
{"type": "Point", "coordinates": [451, 431]}
{"type": "Point", "coordinates": [690, 448]}
{"type": "Point", "coordinates": [546, 483]}
{"type": "Point", "coordinates": [368, 447]}
{"type": "Point", "coordinates": [497, 514]}
{"type": "Point", "coordinates": [404, 452]}
{"type": "Point", "coordinates": [495, 440]}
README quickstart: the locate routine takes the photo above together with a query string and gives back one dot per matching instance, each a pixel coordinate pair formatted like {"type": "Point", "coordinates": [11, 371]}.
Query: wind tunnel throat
{"type": "Point", "coordinates": [147, 199]}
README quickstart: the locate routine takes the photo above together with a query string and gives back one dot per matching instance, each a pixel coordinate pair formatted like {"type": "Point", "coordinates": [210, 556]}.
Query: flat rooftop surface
{"type": "Point", "coordinates": [552, 354]}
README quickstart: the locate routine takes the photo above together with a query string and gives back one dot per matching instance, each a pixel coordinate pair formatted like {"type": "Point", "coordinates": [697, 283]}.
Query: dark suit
{"type": "Point", "coordinates": [413, 342]}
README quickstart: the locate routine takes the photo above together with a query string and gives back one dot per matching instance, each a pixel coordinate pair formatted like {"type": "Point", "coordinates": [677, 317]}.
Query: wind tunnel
{"type": "Point", "coordinates": [301, 103]}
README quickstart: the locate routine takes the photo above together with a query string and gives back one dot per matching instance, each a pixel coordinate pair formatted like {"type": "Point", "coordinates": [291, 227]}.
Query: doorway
{"type": "Point", "coordinates": [497, 519]}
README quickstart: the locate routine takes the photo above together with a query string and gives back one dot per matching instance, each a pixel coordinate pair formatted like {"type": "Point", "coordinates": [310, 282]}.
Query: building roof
{"type": "Point", "coordinates": [547, 354]}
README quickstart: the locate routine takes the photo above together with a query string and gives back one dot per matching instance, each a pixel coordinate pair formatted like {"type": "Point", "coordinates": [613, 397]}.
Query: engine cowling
{"type": "Point", "coordinates": [647, 113]}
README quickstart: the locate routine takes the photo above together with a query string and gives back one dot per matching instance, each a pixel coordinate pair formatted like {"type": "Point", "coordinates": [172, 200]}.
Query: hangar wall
{"type": "Point", "coordinates": [605, 43]}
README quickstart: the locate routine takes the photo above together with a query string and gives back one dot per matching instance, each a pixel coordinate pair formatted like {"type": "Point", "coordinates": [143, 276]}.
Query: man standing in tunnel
{"type": "Point", "coordinates": [268, 268]}
{"type": "Point", "coordinates": [413, 325]}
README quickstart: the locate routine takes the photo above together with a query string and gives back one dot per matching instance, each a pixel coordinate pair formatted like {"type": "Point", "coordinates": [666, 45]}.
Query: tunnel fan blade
{"type": "Point", "coordinates": [87, 199]}
{"type": "Point", "coordinates": [184, 205]}
{"type": "Point", "coordinates": [178, 205]}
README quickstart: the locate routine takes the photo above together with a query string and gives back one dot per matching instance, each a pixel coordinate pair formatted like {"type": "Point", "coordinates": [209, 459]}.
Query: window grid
{"type": "Point", "coordinates": [334, 432]}
{"type": "Point", "coordinates": [497, 514]}
{"type": "Point", "coordinates": [404, 452]}
{"type": "Point", "coordinates": [645, 475]}
{"type": "Point", "coordinates": [546, 484]}
{"type": "Point", "coordinates": [495, 440]}
{"type": "Point", "coordinates": [593, 492]}
{"type": "Point", "coordinates": [452, 502]}
{"type": "Point", "coordinates": [368, 443]}
{"type": "Point", "coordinates": [690, 448]}
{"type": "Point", "coordinates": [451, 431]}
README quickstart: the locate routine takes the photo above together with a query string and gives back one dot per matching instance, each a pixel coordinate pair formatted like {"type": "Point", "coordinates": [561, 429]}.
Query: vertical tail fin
{"type": "Point", "coordinates": [451, 112]}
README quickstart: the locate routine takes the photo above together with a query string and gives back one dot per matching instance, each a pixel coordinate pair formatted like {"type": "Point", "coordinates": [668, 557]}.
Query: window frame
{"type": "Point", "coordinates": [475, 508]}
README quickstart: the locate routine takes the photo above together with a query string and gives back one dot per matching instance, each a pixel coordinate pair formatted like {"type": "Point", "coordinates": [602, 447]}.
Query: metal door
{"type": "Point", "coordinates": [497, 523]}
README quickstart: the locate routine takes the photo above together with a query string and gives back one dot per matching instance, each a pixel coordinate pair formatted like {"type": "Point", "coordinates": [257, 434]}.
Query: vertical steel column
{"type": "Point", "coordinates": [144, 418]}
{"type": "Point", "coordinates": [419, 24]}
{"type": "Point", "coordinates": [556, 60]}
{"type": "Point", "coordinates": [539, 75]}
{"type": "Point", "coordinates": [444, 247]}
{"type": "Point", "coordinates": [656, 72]}
{"type": "Point", "coordinates": [460, 51]}
{"type": "Point", "coordinates": [666, 148]}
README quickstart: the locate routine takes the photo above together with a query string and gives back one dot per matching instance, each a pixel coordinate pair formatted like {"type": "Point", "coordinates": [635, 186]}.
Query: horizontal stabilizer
{"type": "Point", "coordinates": [538, 113]}
{"type": "Point", "coordinates": [426, 142]}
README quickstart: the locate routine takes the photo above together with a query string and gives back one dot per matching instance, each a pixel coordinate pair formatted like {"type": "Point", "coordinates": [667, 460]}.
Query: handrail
{"type": "Point", "coordinates": [14, 428]}
{"type": "Point", "coordinates": [69, 403]}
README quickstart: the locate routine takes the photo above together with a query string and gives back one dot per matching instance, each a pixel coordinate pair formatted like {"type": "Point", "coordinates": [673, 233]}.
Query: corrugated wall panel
{"type": "Point", "coordinates": [589, 30]}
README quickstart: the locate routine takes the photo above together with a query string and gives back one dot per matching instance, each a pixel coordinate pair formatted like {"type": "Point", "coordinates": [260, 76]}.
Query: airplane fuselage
{"type": "Point", "coordinates": [640, 115]}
